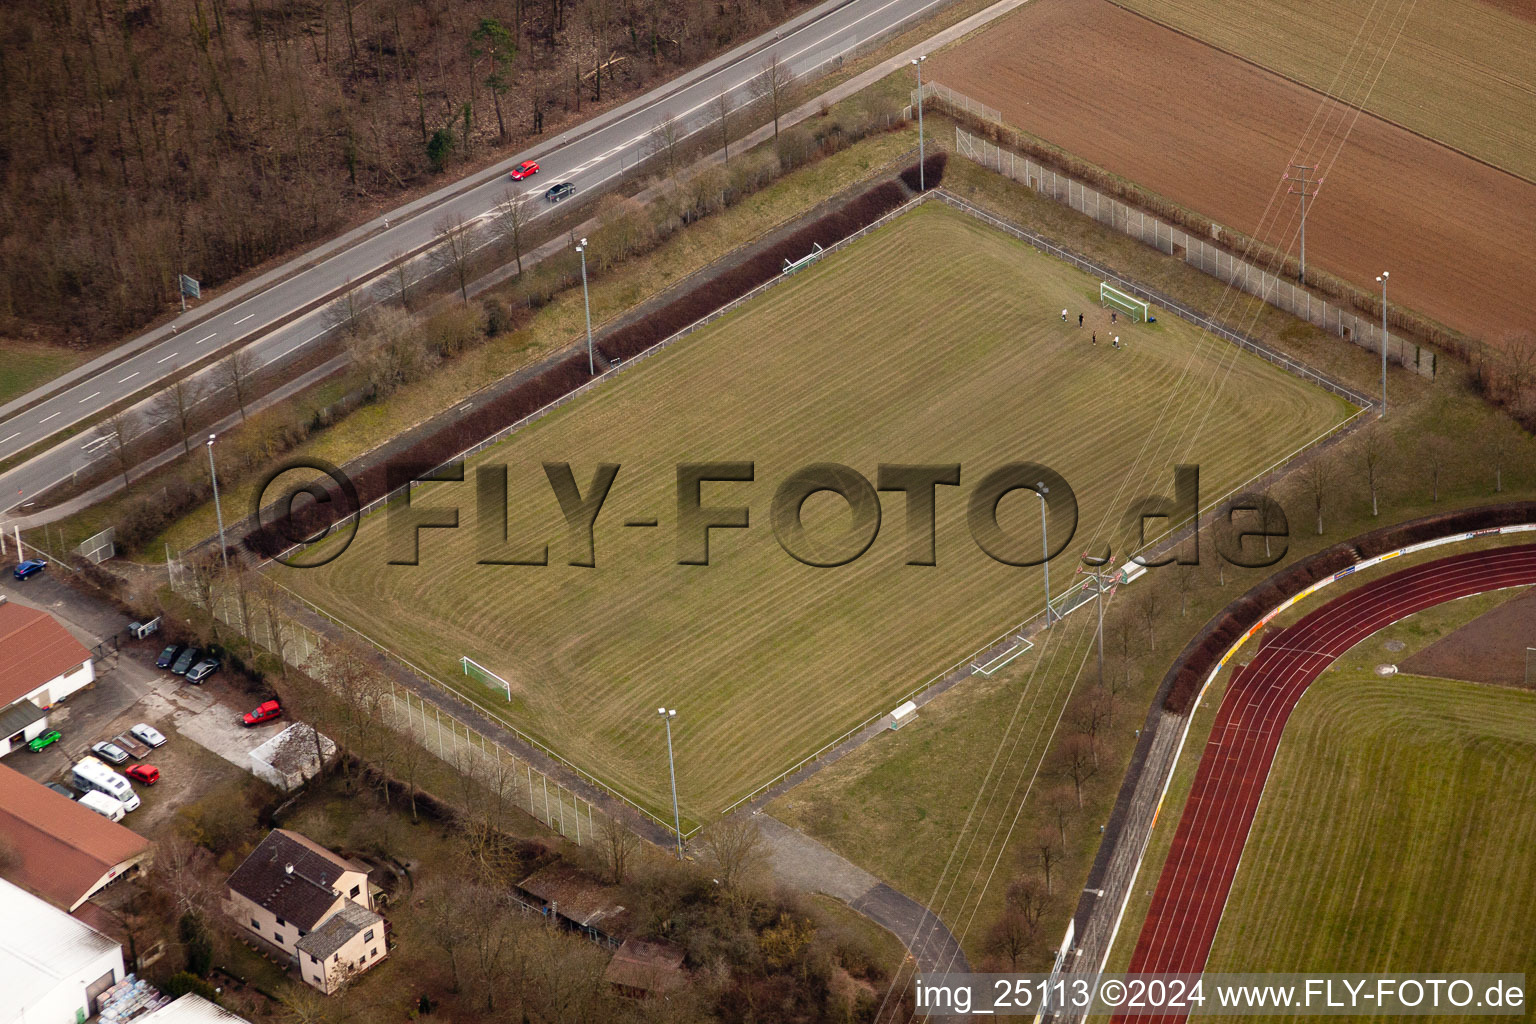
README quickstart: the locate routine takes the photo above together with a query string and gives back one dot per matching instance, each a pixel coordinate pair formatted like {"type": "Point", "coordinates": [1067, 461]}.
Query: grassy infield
{"type": "Point", "coordinates": [766, 658]}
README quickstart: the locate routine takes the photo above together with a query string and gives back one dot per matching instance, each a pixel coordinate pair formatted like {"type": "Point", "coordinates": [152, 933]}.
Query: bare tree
{"type": "Point", "coordinates": [1438, 450]}
{"type": "Point", "coordinates": [1074, 760]}
{"type": "Point", "coordinates": [666, 141]}
{"type": "Point", "coordinates": [774, 86]}
{"type": "Point", "coordinates": [1044, 847]}
{"type": "Point", "coordinates": [453, 249]}
{"type": "Point", "coordinates": [120, 431]}
{"type": "Point", "coordinates": [618, 844]}
{"type": "Point", "coordinates": [1061, 803]}
{"type": "Point", "coordinates": [723, 121]}
{"type": "Point", "coordinates": [404, 277]}
{"type": "Point", "coordinates": [512, 216]}
{"type": "Point", "coordinates": [174, 407]}
{"type": "Point", "coordinates": [236, 371]}
{"type": "Point", "coordinates": [733, 848]}
{"type": "Point", "coordinates": [1374, 452]}
{"type": "Point", "coordinates": [1149, 602]}
{"type": "Point", "coordinates": [1011, 937]}
{"type": "Point", "coordinates": [1091, 713]}
{"type": "Point", "coordinates": [345, 312]}
{"type": "Point", "coordinates": [1187, 579]}
{"type": "Point", "coordinates": [1318, 480]}
{"type": "Point", "coordinates": [1500, 444]}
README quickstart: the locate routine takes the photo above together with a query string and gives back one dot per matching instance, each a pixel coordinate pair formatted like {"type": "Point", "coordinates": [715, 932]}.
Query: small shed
{"type": "Point", "coordinates": [290, 759]}
{"type": "Point", "coordinates": [907, 712]}
{"type": "Point", "coordinates": [643, 970]}
{"type": "Point", "coordinates": [579, 900]}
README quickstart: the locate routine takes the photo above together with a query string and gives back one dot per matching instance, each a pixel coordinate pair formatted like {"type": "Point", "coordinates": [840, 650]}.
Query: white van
{"type": "Point", "coordinates": [91, 774]}
{"type": "Point", "coordinates": [102, 804]}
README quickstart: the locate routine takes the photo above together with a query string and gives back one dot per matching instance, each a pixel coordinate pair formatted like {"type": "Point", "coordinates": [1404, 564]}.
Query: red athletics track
{"type": "Point", "coordinates": [1197, 877]}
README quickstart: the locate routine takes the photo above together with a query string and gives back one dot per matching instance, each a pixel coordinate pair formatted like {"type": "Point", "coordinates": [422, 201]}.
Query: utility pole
{"type": "Point", "coordinates": [1383, 282]}
{"type": "Point", "coordinates": [586, 301]}
{"type": "Point", "coordinates": [917, 62]}
{"type": "Point", "coordinates": [218, 510]}
{"type": "Point", "coordinates": [1097, 573]}
{"type": "Point", "coordinates": [1045, 549]}
{"type": "Point", "coordinates": [1300, 186]}
{"type": "Point", "coordinates": [667, 714]}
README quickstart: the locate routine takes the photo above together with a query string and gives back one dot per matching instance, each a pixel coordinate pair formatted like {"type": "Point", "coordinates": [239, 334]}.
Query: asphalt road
{"type": "Point", "coordinates": [594, 156]}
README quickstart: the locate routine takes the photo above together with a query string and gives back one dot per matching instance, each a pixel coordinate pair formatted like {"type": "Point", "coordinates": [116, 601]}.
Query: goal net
{"type": "Point", "coordinates": [479, 672]}
{"type": "Point", "coordinates": [1130, 305]}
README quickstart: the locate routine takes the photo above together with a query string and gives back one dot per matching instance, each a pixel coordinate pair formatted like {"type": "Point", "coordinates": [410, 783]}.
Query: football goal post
{"type": "Point", "coordinates": [475, 670]}
{"type": "Point", "coordinates": [1130, 305]}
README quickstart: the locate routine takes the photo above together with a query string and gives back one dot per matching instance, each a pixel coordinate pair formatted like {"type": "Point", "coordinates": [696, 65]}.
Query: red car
{"type": "Point", "coordinates": [268, 711]}
{"type": "Point", "coordinates": [526, 169]}
{"type": "Point", "coordinates": [148, 774]}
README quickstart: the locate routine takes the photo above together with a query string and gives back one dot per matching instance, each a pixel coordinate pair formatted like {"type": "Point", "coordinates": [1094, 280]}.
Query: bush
{"type": "Point", "coordinates": [199, 945]}
{"type": "Point", "coordinates": [182, 982]}
{"type": "Point", "coordinates": [932, 173]}
{"type": "Point", "coordinates": [454, 328]}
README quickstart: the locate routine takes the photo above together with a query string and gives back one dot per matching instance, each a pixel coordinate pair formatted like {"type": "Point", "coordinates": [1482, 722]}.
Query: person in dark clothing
{"type": "Point", "coordinates": [1079, 319]}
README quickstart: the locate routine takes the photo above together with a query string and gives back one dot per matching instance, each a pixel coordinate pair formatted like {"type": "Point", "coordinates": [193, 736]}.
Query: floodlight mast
{"type": "Point", "coordinates": [587, 302]}
{"type": "Point", "coordinates": [1045, 549]}
{"type": "Point", "coordinates": [1382, 280]}
{"type": "Point", "coordinates": [917, 62]}
{"type": "Point", "coordinates": [667, 714]}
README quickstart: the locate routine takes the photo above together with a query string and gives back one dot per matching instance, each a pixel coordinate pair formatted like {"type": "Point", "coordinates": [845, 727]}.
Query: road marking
{"type": "Point", "coordinates": [18, 434]}
{"type": "Point", "coordinates": [244, 319]}
{"type": "Point", "coordinates": [87, 398]}
{"type": "Point", "coordinates": [171, 356]}
{"type": "Point", "coordinates": [130, 377]}
{"type": "Point", "coordinates": [199, 341]}
{"type": "Point", "coordinates": [50, 416]}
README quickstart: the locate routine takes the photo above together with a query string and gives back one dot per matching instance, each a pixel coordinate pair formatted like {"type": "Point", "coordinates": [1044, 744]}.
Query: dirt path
{"type": "Point", "coordinates": [1489, 649]}
{"type": "Point", "coordinates": [1216, 134]}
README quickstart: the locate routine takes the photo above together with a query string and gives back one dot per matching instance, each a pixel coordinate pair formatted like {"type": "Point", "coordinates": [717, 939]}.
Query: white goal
{"type": "Point", "coordinates": [478, 671]}
{"type": "Point", "coordinates": [1130, 305]}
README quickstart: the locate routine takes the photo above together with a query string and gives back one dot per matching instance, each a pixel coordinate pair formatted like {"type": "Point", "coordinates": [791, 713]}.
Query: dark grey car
{"type": "Point", "coordinates": [189, 657]}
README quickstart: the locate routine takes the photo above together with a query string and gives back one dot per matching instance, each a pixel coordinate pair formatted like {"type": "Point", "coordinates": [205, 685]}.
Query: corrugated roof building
{"type": "Point", "coordinates": [63, 852]}
{"type": "Point", "coordinates": [52, 967]}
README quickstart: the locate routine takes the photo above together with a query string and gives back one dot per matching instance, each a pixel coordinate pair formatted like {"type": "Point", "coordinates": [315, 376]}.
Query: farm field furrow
{"type": "Point", "coordinates": [1460, 73]}
{"type": "Point", "coordinates": [935, 339]}
{"type": "Point", "coordinates": [1216, 134]}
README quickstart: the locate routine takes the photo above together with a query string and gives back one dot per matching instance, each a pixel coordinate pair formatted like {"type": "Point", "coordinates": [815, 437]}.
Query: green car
{"type": "Point", "coordinates": [48, 738]}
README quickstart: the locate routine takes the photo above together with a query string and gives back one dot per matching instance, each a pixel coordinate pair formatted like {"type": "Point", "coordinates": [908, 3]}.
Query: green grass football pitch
{"type": "Point", "coordinates": [934, 339]}
{"type": "Point", "coordinates": [1396, 834]}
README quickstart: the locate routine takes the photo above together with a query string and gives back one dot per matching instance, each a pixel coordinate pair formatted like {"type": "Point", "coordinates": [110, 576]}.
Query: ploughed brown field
{"type": "Point", "coordinates": [1215, 134]}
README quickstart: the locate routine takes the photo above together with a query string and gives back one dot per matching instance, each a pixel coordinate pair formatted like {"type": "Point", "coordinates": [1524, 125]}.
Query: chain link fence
{"type": "Point", "coordinates": [1193, 250]}
{"type": "Point", "coordinates": [463, 748]}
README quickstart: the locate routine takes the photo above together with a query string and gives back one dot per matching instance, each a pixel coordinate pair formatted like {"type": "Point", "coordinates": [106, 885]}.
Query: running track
{"type": "Point", "coordinates": [1197, 877]}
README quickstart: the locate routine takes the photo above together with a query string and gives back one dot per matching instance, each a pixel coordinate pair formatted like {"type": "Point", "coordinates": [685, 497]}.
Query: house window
{"type": "Point", "coordinates": [255, 925]}
{"type": "Point", "coordinates": [355, 890]}
{"type": "Point", "coordinates": [335, 958]}
{"type": "Point", "coordinates": [368, 935]}
{"type": "Point", "coordinates": [281, 922]}
{"type": "Point", "coordinates": [373, 954]}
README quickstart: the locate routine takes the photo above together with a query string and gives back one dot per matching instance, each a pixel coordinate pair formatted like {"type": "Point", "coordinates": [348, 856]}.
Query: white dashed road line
{"type": "Point", "coordinates": [87, 398]}
{"type": "Point", "coordinates": [164, 358]}
{"type": "Point", "coordinates": [130, 377]}
{"type": "Point", "coordinates": [244, 319]}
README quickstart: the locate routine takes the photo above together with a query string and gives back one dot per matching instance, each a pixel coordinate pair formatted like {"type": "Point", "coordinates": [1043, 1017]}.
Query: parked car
{"type": "Point", "coordinates": [148, 734]}
{"type": "Point", "coordinates": [110, 752]}
{"type": "Point", "coordinates": [265, 713]}
{"type": "Point", "coordinates": [62, 790]}
{"type": "Point", "coordinates": [44, 740]}
{"type": "Point", "coordinates": [560, 191]}
{"type": "Point", "coordinates": [526, 169]}
{"type": "Point", "coordinates": [31, 567]}
{"type": "Point", "coordinates": [147, 774]}
{"type": "Point", "coordinates": [186, 660]}
{"type": "Point", "coordinates": [202, 670]}
{"type": "Point", "coordinates": [169, 655]}
{"type": "Point", "coordinates": [103, 805]}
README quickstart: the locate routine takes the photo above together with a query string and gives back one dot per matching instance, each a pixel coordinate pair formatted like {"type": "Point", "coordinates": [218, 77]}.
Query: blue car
{"type": "Point", "coordinates": [31, 567]}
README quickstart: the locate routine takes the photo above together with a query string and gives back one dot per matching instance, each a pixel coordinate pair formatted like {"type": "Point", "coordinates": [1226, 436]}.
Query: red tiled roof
{"type": "Point", "coordinates": [34, 649]}
{"type": "Point", "coordinates": [63, 851]}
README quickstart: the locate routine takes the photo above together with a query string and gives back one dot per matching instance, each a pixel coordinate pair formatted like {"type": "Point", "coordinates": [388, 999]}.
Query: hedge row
{"type": "Point", "coordinates": [1201, 654]}
{"type": "Point", "coordinates": [861, 211]}
{"type": "Point", "coordinates": [569, 374]}
{"type": "Point", "coordinates": [932, 175]}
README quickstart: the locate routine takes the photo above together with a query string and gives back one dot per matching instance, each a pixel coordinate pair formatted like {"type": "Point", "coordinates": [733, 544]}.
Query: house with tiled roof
{"type": "Point", "coordinates": [314, 906]}
{"type": "Point", "coordinates": [58, 849]}
{"type": "Point", "coordinates": [41, 665]}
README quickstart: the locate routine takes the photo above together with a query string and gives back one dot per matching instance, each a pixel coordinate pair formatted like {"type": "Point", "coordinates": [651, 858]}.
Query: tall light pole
{"type": "Point", "coordinates": [677, 825]}
{"type": "Point", "coordinates": [1045, 549]}
{"type": "Point", "coordinates": [917, 62]}
{"type": "Point", "coordinates": [1382, 280]}
{"type": "Point", "coordinates": [586, 301]}
{"type": "Point", "coordinates": [217, 509]}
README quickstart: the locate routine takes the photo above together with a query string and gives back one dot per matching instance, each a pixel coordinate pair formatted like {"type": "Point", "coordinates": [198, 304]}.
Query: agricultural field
{"type": "Point", "coordinates": [1396, 834]}
{"type": "Point", "coordinates": [1215, 134]}
{"type": "Point", "coordinates": [850, 361]}
{"type": "Point", "coordinates": [1458, 71]}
